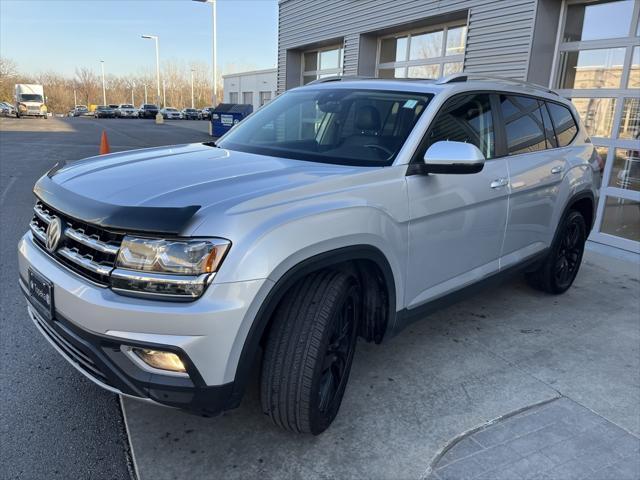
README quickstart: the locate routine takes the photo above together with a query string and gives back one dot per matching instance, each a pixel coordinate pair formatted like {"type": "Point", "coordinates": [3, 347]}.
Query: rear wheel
{"type": "Point", "coordinates": [309, 352]}
{"type": "Point", "coordinates": [561, 266]}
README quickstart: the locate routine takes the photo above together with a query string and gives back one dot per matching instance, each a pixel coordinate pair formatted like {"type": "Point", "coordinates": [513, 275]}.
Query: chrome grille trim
{"type": "Point", "coordinates": [91, 241]}
{"type": "Point", "coordinates": [42, 214]}
{"type": "Point", "coordinates": [84, 262]}
{"type": "Point", "coordinates": [88, 250]}
{"type": "Point", "coordinates": [38, 231]}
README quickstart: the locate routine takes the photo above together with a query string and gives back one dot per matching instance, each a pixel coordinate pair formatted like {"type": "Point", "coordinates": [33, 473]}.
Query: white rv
{"type": "Point", "coordinates": [30, 100]}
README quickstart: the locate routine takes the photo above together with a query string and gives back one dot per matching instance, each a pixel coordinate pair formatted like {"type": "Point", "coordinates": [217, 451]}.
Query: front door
{"type": "Point", "coordinates": [457, 222]}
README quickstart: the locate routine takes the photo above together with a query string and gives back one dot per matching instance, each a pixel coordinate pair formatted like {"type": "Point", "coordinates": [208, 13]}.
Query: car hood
{"type": "Point", "coordinates": [194, 175]}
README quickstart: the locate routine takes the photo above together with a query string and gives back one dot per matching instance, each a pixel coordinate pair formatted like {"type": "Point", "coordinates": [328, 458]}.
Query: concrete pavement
{"type": "Point", "coordinates": [502, 351]}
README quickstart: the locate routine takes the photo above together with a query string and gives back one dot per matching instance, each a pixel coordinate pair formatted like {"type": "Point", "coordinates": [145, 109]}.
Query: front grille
{"type": "Point", "coordinates": [84, 248]}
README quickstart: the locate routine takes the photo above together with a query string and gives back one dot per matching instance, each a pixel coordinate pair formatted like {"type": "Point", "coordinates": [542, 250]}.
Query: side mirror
{"type": "Point", "coordinates": [453, 158]}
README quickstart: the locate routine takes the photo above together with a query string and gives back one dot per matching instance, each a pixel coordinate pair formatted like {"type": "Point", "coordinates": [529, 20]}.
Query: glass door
{"type": "Point", "coordinates": [598, 68]}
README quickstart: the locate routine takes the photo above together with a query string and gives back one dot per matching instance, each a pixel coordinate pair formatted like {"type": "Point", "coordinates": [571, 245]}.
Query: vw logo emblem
{"type": "Point", "coordinates": [54, 234]}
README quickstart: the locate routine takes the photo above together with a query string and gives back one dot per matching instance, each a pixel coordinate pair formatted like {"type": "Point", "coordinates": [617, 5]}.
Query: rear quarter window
{"type": "Point", "coordinates": [563, 123]}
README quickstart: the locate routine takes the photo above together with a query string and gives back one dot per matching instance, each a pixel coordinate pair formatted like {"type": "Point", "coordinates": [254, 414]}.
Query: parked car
{"type": "Point", "coordinates": [205, 113]}
{"type": "Point", "coordinates": [80, 110]}
{"type": "Point", "coordinates": [7, 110]}
{"type": "Point", "coordinates": [191, 114]}
{"type": "Point", "coordinates": [148, 110]}
{"type": "Point", "coordinates": [174, 270]}
{"type": "Point", "coordinates": [104, 111]}
{"type": "Point", "coordinates": [170, 113]}
{"type": "Point", "coordinates": [126, 110]}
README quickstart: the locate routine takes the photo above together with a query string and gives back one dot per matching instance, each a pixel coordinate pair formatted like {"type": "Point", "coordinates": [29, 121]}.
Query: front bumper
{"type": "Point", "coordinates": [91, 323]}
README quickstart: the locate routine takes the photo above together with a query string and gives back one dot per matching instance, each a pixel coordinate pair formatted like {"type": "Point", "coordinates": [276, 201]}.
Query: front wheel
{"type": "Point", "coordinates": [561, 266]}
{"type": "Point", "coordinates": [309, 352]}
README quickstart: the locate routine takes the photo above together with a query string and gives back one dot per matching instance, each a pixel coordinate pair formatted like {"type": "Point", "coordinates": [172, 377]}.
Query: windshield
{"type": "Point", "coordinates": [31, 97]}
{"type": "Point", "coordinates": [149, 106]}
{"type": "Point", "coordinates": [343, 126]}
{"type": "Point", "coordinates": [103, 107]}
{"type": "Point", "coordinates": [126, 106]}
{"type": "Point", "coordinates": [171, 110]}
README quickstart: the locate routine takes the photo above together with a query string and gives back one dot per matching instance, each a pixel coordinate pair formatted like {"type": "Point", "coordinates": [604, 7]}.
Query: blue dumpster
{"type": "Point", "coordinates": [226, 115]}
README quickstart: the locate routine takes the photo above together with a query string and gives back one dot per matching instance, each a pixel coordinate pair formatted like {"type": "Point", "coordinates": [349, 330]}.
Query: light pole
{"type": "Point", "coordinates": [164, 94]}
{"type": "Point", "coordinates": [133, 101]}
{"type": "Point", "coordinates": [213, 55]}
{"type": "Point", "coordinates": [104, 91]}
{"type": "Point", "coordinates": [192, 102]}
{"type": "Point", "coordinates": [75, 98]}
{"type": "Point", "coordinates": [145, 93]}
{"type": "Point", "coordinates": [155, 37]}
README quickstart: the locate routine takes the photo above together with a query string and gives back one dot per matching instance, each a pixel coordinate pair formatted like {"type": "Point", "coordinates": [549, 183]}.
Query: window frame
{"type": "Point", "coordinates": [244, 94]}
{"type": "Point", "coordinates": [440, 60]}
{"type": "Point", "coordinates": [612, 142]}
{"type": "Point", "coordinates": [318, 71]}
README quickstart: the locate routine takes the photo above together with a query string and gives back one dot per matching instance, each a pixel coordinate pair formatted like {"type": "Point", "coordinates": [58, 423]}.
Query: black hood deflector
{"type": "Point", "coordinates": [167, 220]}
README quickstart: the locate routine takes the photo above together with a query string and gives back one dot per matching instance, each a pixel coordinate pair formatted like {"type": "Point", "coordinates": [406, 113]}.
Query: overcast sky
{"type": "Point", "coordinates": [60, 35]}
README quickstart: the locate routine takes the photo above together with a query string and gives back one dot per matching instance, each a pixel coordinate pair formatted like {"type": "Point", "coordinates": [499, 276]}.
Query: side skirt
{"type": "Point", "coordinates": [406, 317]}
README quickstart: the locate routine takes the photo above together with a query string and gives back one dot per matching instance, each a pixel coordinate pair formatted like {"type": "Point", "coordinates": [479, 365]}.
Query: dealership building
{"type": "Point", "coordinates": [589, 51]}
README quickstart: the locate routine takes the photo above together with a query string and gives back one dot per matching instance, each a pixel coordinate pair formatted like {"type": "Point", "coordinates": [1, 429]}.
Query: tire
{"type": "Point", "coordinates": [559, 269]}
{"type": "Point", "coordinates": [309, 352]}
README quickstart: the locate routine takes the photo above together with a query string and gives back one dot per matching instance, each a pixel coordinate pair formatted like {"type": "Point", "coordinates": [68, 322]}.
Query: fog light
{"type": "Point", "coordinates": [160, 360]}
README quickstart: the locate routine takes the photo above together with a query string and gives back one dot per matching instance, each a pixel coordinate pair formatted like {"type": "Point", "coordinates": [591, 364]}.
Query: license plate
{"type": "Point", "coordinates": [41, 292]}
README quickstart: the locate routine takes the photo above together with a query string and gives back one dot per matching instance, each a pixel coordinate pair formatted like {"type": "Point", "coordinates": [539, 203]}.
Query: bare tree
{"type": "Point", "coordinates": [59, 88]}
{"type": "Point", "coordinates": [8, 77]}
{"type": "Point", "coordinates": [87, 85]}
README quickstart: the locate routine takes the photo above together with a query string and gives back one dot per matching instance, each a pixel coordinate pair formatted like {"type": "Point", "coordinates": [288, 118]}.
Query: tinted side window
{"type": "Point", "coordinates": [466, 118]}
{"type": "Point", "coordinates": [563, 122]}
{"type": "Point", "coordinates": [523, 124]}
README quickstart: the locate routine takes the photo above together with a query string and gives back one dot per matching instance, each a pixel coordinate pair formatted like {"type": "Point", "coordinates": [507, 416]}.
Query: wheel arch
{"type": "Point", "coordinates": [362, 260]}
{"type": "Point", "coordinates": [585, 203]}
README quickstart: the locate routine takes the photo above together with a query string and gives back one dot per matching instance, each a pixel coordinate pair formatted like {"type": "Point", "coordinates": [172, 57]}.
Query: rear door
{"type": "Point", "coordinates": [536, 169]}
{"type": "Point", "coordinates": [457, 221]}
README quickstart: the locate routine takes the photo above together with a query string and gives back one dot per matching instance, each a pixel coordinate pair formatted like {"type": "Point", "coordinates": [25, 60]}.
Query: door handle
{"type": "Point", "coordinates": [500, 182]}
{"type": "Point", "coordinates": [557, 169]}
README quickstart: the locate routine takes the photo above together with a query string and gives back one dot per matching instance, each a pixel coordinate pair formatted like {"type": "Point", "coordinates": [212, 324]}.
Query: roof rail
{"type": "Point", "coordinates": [339, 78]}
{"type": "Point", "coordinates": [465, 77]}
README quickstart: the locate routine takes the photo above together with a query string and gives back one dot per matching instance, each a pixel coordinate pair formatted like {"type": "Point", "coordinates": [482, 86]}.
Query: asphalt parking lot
{"type": "Point", "coordinates": [53, 423]}
{"type": "Point", "coordinates": [484, 387]}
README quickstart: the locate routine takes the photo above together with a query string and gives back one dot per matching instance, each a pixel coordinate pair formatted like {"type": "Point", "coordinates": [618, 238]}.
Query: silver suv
{"type": "Point", "coordinates": [342, 209]}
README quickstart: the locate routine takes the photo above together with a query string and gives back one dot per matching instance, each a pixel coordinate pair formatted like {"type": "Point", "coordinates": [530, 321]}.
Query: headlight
{"type": "Point", "coordinates": [170, 268]}
{"type": "Point", "coordinates": [43, 108]}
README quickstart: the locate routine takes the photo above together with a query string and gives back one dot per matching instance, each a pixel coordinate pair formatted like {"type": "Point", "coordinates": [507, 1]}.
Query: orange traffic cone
{"type": "Point", "coordinates": [104, 144]}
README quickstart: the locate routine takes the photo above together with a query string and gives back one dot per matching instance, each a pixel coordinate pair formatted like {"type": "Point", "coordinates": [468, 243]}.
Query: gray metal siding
{"type": "Point", "coordinates": [498, 40]}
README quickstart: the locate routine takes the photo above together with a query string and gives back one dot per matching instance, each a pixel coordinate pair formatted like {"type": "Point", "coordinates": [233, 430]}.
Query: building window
{"type": "Point", "coordinates": [598, 69]}
{"type": "Point", "coordinates": [265, 97]}
{"type": "Point", "coordinates": [320, 63]}
{"type": "Point", "coordinates": [422, 53]}
{"type": "Point", "coordinates": [233, 97]}
{"type": "Point", "coordinates": [247, 98]}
